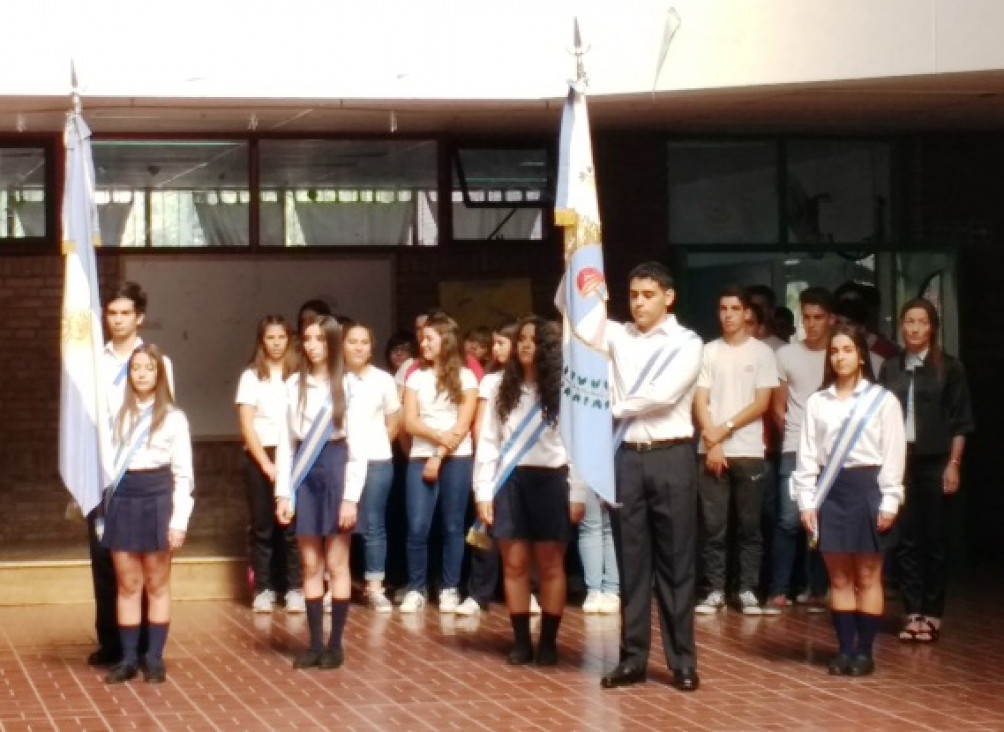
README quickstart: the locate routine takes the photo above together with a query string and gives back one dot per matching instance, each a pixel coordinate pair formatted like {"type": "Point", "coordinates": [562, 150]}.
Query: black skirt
{"type": "Point", "coordinates": [139, 512]}
{"type": "Point", "coordinates": [532, 505]}
{"type": "Point", "coordinates": [319, 497]}
{"type": "Point", "coordinates": [849, 514]}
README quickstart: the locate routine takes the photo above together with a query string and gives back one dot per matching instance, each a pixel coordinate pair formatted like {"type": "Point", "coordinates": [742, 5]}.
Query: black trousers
{"type": "Point", "coordinates": [274, 555]}
{"type": "Point", "coordinates": [742, 486]}
{"type": "Point", "coordinates": [105, 594]}
{"type": "Point", "coordinates": [655, 537]}
{"type": "Point", "coordinates": [922, 552]}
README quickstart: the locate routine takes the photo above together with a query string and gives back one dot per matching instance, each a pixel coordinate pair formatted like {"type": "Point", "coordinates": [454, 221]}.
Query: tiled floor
{"type": "Point", "coordinates": [230, 670]}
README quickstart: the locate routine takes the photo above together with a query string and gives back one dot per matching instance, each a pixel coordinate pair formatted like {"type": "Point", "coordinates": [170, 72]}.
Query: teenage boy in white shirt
{"type": "Point", "coordinates": [733, 392]}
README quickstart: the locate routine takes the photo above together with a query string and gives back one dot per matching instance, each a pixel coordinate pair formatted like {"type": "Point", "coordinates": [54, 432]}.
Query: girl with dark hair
{"type": "Point", "coordinates": [261, 409]}
{"type": "Point", "coordinates": [522, 486]}
{"type": "Point", "coordinates": [319, 479]}
{"type": "Point", "coordinates": [439, 402]}
{"type": "Point", "coordinates": [848, 482]}
{"type": "Point", "coordinates": [148, 509]}
{"type": "Point", "coordinates": [375, 410]}
{"type": "Point", "coordinates": [931, 387]}
{"type": "Point", "coordinates": [483, 579]}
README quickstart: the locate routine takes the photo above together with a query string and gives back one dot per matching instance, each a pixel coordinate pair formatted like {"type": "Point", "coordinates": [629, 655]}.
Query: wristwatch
{"type": "Point", "coordinates": [730, 426]}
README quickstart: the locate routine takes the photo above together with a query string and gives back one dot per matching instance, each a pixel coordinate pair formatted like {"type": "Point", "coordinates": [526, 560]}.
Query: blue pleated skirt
{"type": "Point", "coordinates": [849, 514]}
{"type": "Point", "coordinates": [319, 497]}
{"type": "Point", "coordinates": [139, 512]}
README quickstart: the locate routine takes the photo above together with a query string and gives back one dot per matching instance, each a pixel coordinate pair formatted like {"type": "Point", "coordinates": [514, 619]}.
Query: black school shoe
{"type": "Point", "coordinates": [121, 673]}
{"type": "Point", "coordinates": [840, 665]}
{"type": "Point", "coordinates": [154, 673]}
{"type": "Point", "coordinates": [331, 659]}
{"type": "Point", "coordinates": [861, 665]}
{"type": "Point", "coordinates": [104, 657]}
{"type": "Point", "coordinates": [308, 659]}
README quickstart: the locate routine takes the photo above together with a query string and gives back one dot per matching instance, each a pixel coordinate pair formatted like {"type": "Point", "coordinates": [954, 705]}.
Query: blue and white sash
{"type": "Point", "coordinates": [853, 426]}
{"type": "Point", "coordinates": [138, 434]}
{"type": "Point", "coordinates": [310, 448]}
{"type": "Point", "coordinates": [120, 376]}
{"type": "Point", "coordinates": [668, 357]}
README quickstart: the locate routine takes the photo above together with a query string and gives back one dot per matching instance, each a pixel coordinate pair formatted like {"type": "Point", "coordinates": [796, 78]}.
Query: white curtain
{"type": "Point", "coordinates": [31, 214]}
{"type": "Point", "coordinates": [484, 223]}
{"type": "Point", "coordinates": [112, 218]}
{"type": "Point", "coordinates": [224, 224]}
{"type": "Point", "coordinates": [331, 222]}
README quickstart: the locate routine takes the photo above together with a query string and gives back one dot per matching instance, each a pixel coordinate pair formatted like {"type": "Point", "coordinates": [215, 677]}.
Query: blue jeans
{"type": "Point", "coordinates": [596, 548]}
{"type": "Point", "coordinates": [376, 491]}
{"type": "Point", "coordinates": [451, 492]}
{"type": "Point", "coordinates": [788, 533]}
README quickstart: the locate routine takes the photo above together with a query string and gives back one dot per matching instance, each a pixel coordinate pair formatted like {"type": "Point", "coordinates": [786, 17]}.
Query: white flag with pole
{"type": "Point", "coordinates": [82, 438]}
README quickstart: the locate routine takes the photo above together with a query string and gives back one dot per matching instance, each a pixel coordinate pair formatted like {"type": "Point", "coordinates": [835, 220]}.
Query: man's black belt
{"type": "Point", "coordinates": [655, 444]}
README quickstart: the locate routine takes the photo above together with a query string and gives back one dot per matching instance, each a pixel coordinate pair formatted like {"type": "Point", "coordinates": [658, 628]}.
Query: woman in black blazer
{"type": "Point", "coordinates": [932, 387]}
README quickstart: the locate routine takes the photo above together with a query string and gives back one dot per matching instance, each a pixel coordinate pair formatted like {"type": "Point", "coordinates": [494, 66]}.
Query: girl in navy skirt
{"type": "Point", "coordinates": [860, 425]}
{"type": "Point", "coordinates": [148, 511]}
{"type": "Point", "coordinates": [330, 482]}
{"type": "Point", "coordinates": [532, 513]}
{"type": "Point", "coordinates": [261, 409]}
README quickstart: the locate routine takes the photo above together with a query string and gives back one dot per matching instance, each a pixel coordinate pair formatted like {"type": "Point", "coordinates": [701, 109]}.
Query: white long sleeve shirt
{"type": "Point", "coordinates": [882, 443]}
{"type": "Point", "coordinates": [296, 427]}
{"type": "Point", "coordinates": [547, 452]}
{"type": "Point", "coordinates": [661, 408]}
{"type": "Point", "coordinates": [168, 445]}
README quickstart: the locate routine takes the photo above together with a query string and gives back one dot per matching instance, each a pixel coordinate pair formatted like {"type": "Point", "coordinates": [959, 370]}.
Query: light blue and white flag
{"type": "Point", "coordinates": [586, 421]}
{"type": "Point", "coordinates": [82, 438]}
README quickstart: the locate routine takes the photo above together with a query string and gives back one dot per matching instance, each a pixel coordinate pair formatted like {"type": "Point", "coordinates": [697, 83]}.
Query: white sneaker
{"type": "Point", "coordinates": [711, 604]}
{"type": "Point", "coordinates": [610, 603]}
{"type": "Point", "coordinates": [413, 602]}
{"type": "Point", "coordinates": [534, 606]}
{"type": "Point", "coordinates": [449, 600]}
{"type": "Point", "coordinates": [264, 602]}
{"type": "Point", "coordinates": [295, 603]}
{"type": "Point", "coordinates": [469, 606]}
{"type": "Point", "coordinates": [378, 602]}
{"type": "Point", "coordinates": [749, 604]}
{"type": "Point", "coordinates": [593, 602]}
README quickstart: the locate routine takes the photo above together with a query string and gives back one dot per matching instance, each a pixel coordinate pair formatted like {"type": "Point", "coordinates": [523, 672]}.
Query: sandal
{"type": "Point", "coordinates": [911, 628]}
{"type": "Point", "coordinates": [929, 632]}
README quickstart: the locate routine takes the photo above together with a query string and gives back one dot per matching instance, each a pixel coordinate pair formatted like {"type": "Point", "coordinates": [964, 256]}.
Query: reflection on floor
{"type": "Point", "coordinates": [230, 670]}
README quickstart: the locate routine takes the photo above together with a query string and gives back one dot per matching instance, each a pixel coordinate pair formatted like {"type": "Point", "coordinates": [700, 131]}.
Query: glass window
{"type": "Point", "coordinates": [723, 192]}
{"type": "Point", "coordinates": [172, 194]}
{"type": "Point", "coordinates": [838, 192]}
{"type": "Point", "coordinates": [348, 192]}
{"type": "Point", "coordinates": [23, 201]}
{"type": "Point", "coordinates": [501, 193]}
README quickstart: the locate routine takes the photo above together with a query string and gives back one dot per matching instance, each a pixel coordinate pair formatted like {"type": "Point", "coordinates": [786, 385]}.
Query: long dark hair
{"type": "Point", "coordinates": [858, 336]}
{"type": "Point", "coordinates": [259, 363]}
{"type": "Point", "coordinates": [332, 332]}
{"type": "Point", "coordinates": [546, 359]}
{"type": "Point", "coordinates": [163, 401]}
{"type": "Point", "coordinates": [450, 359]}
{"type": "Point", "coordinates": [935, 352]}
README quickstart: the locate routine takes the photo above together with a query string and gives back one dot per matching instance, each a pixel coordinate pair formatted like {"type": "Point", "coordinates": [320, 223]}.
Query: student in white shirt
{"type": "Point", "coordinates": [483, 578]}
{"type": "Point", "coordinates": [439, 403]}
{"type": "Point", "coordinates": [124, 313]}
{"type": "Point", "coordinates": [149, 509]}
{"type": "Point", "coordinates": [375, 413]}
{"type": "Point", "coordinates": [261, 409]}
{"type": "Point", "coordinates": [532, 511]}
{"type": "Point", "coordinates": [738, 373]}
{"type": "Point", "coordinates": [329, 489]}
{"type": "Point", "coordinates": [863, 500]}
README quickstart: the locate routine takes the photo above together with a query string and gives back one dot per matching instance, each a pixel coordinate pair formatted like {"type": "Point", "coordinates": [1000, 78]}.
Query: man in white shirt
{"type": "Point", "coordinates": [653, 525]}
{"type": "Point", "coordinates": [733, 392]}
{"type": "Point", "coordinates": [125, 309]}
{"type": "Point", "coordinates": [800, 367]}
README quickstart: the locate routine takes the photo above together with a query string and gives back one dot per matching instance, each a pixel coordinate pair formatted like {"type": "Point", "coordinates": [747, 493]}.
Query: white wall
{"type": "Point", "coordinates": [473, 49]}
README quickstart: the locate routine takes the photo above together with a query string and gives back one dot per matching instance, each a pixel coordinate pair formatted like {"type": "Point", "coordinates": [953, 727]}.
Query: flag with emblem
{"type": "Point", "coordinates": [586, 421]}
{"type": "Point", "coordinates": [81, 438]}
